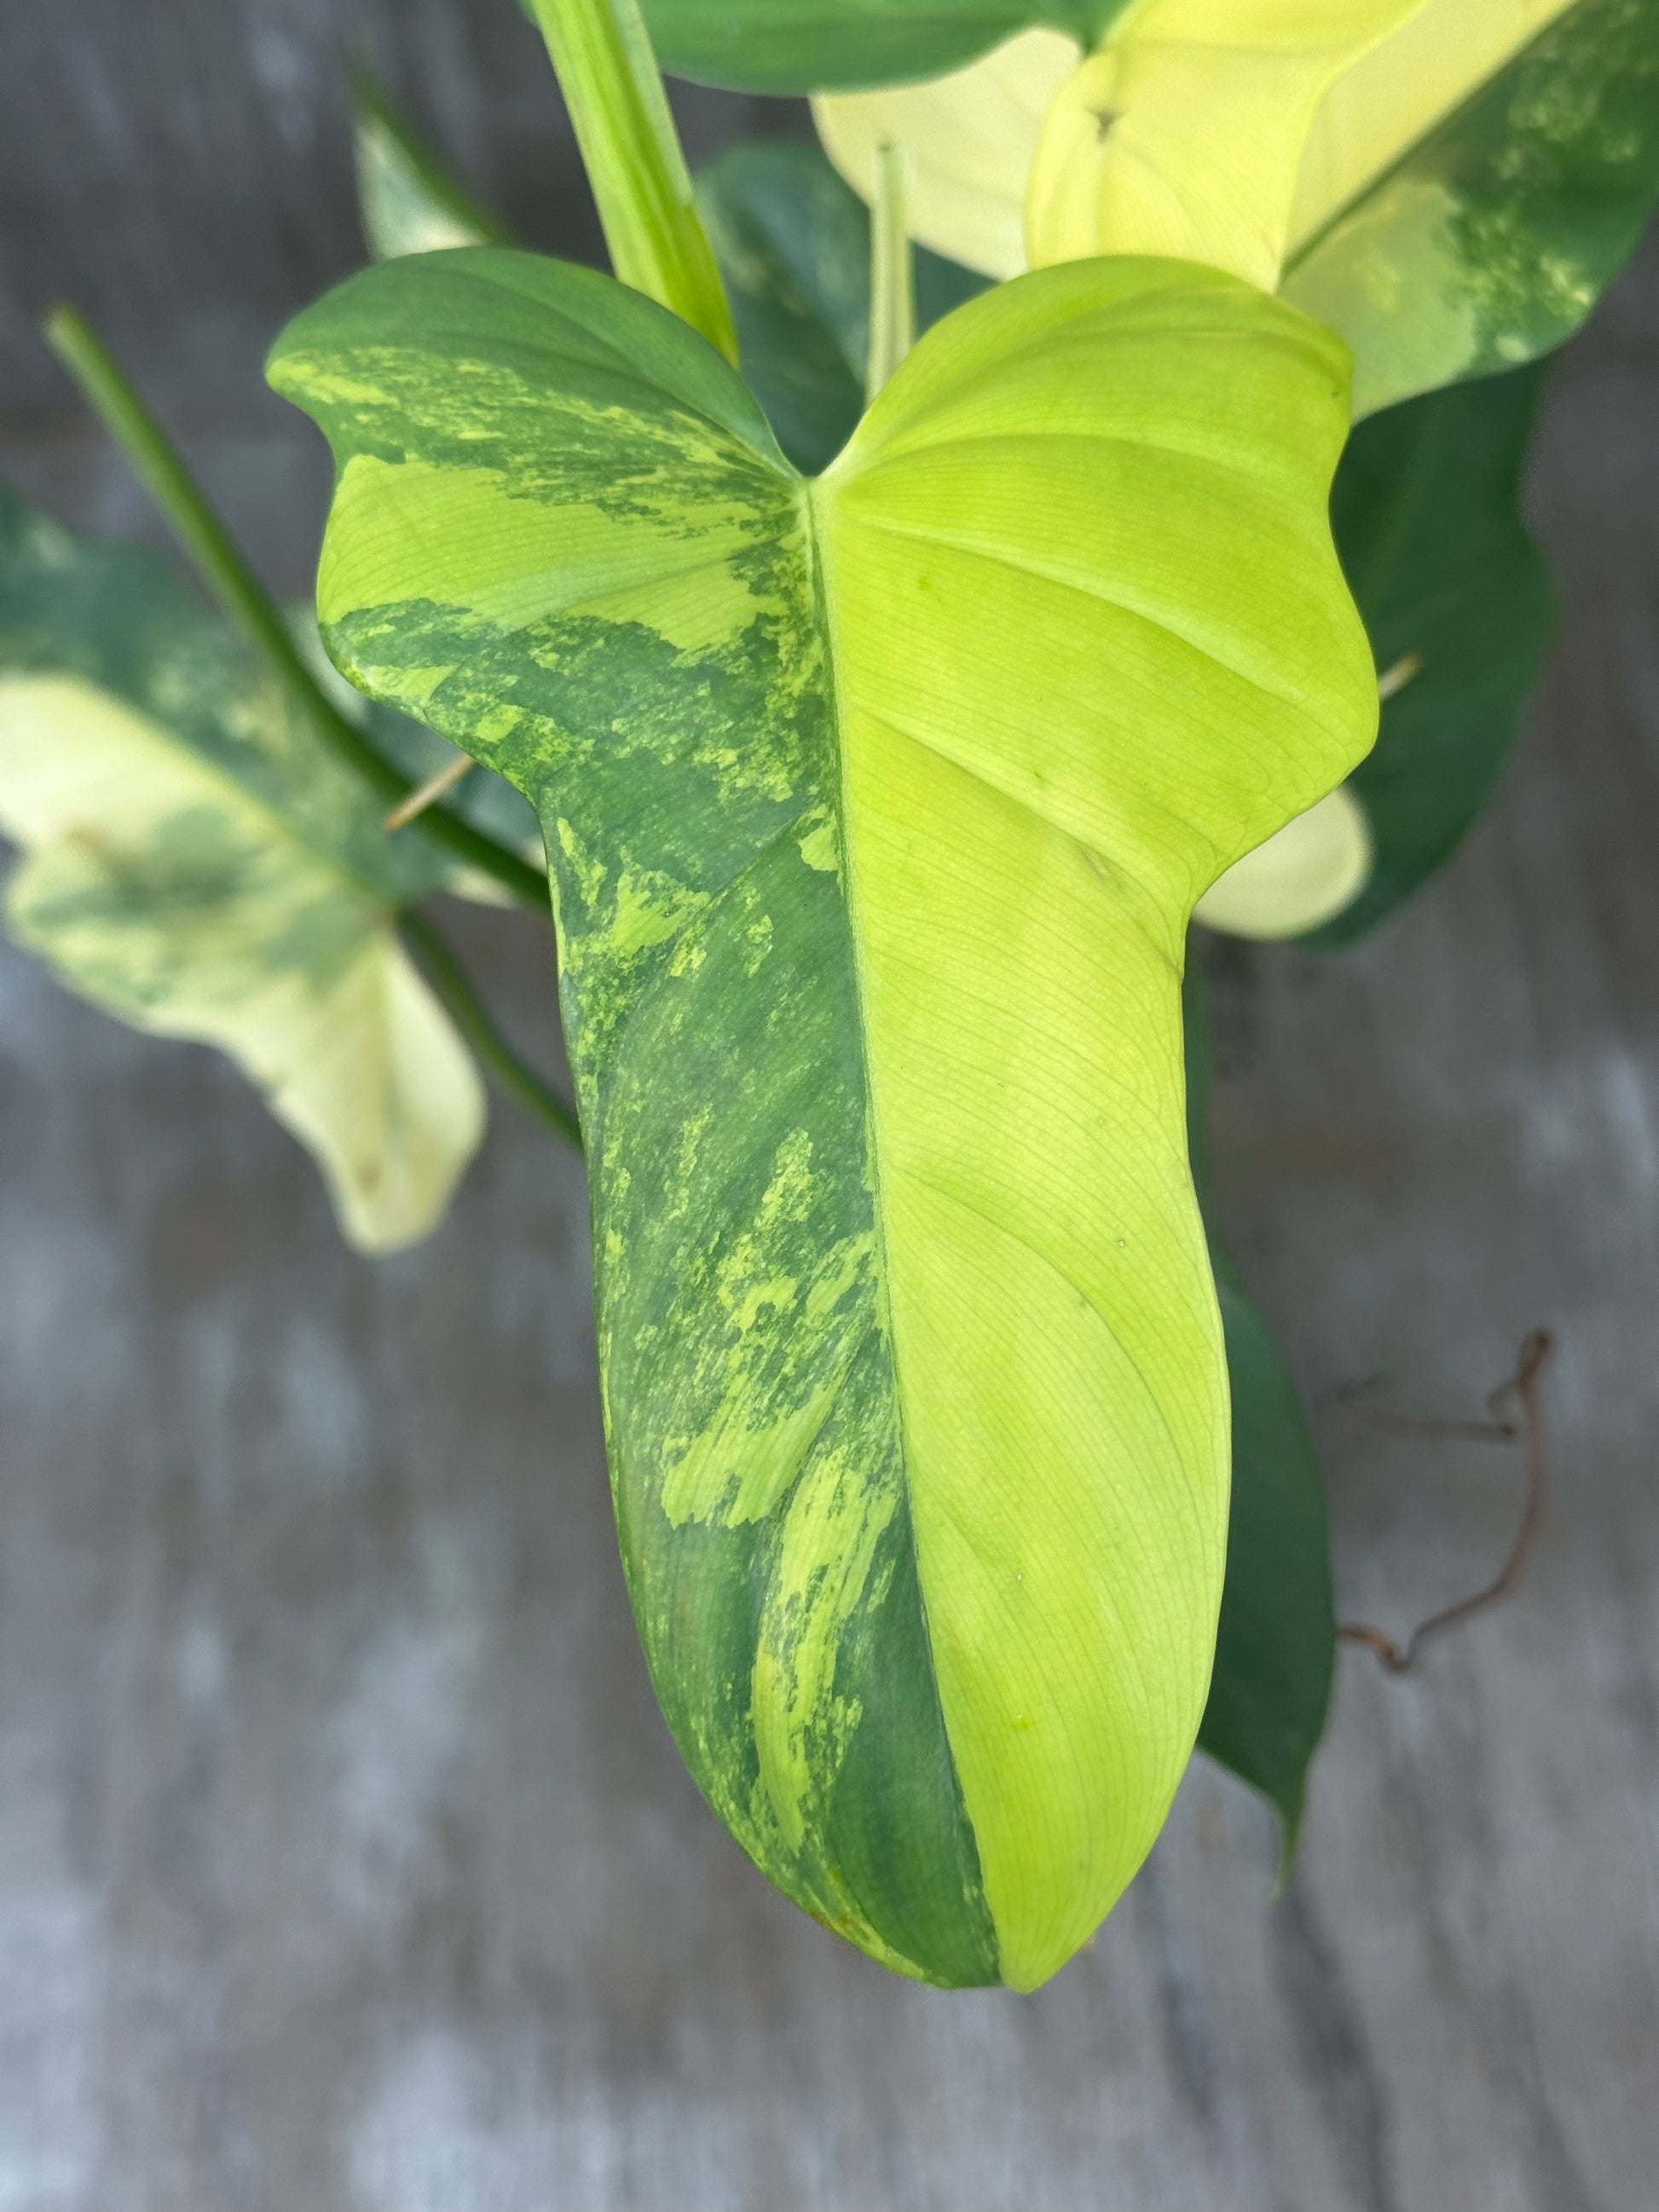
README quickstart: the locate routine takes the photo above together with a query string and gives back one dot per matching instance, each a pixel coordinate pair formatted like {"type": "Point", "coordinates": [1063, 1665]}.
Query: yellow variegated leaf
{"type": "Point", "coordinates": [1184, 134]}
{"type": "Point", "coordinates": [971, 136]}
{"type": "Point", "coordinates": [1472, 186]}
{"type": "Point", "coordinates": [1395, 94]}
{"type": "Point", "coordinates": [877, 804]}
{"type": "Point", "coordinates": [1451, 184]}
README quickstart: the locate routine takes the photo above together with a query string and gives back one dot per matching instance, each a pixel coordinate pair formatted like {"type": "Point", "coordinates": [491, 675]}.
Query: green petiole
{"type": "Point", "coordinates": [449, 980]}
{"type": "Point", "coordinates": [892, 270]}
{"type": "Point", "coordinates": [614, 90]}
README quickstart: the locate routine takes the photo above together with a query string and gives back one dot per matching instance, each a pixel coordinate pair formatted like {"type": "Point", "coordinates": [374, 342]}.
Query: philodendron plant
{"type": "Point", "coordinates": [887, 710]}
{"type": "Point", "coordinates": [1450, 184]}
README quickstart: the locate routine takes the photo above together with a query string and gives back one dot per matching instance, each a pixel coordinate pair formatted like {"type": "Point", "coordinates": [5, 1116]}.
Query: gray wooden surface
{"type": "Point", "coordinates": [345, 1865]}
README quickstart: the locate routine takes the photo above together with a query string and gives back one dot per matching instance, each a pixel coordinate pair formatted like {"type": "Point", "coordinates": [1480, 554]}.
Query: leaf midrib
{"type": "Point", "coordinates": [814, 537]}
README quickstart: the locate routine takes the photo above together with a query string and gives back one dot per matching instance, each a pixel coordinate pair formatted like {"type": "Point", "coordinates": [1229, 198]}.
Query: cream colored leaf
{"type": "Point", "coordinates": [972, 137]}
{"type": "Point", "coordinates": [1304, 874]}
{"type": "Point", "coordinates": [156, 886]}
{"type": "Point", "coordinates": [405, 208]}
{"type": "Point", "coordinates": [1184, 134]}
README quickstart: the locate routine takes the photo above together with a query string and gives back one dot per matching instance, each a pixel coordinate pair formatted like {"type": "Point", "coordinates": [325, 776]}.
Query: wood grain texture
{"type": "Point", "coordinates": [344, 1860]}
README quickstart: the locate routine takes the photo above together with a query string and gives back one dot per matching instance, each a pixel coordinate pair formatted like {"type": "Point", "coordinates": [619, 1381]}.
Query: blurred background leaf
{"type": "Point", "coordinates": [198, 863]}
{"type": "Point", "coordinates": [408, 203]}
{"type": "Point", "coordinates": [1276, 1645]}
{"type": "Point", "coordinates": [1456, 598]}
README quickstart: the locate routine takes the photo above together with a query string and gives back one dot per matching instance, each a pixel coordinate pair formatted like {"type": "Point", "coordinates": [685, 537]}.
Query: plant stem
{"type": "Point", "coordinates": [450, 981]}
{"type": "Point", "coordinates": [892, 269]}
{"type": "Point", "coordinates": [246, 600]}
{"type": "Point", "coordinates": [410, 809]}
{"type": "Point", "coordinates": [631, 151]}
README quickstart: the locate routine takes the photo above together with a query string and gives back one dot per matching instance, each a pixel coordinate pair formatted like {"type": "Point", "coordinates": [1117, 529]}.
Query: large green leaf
{"type": "Point", "coordinates": [808, 46]}
{"type": "Point", "coordinates": [1427, 511]}
{"type": "Point", "coordinates": [877, 804]}
{"type": "Point", "coordinates": [197, 864]}
{"type": "Point", "coordinates": [1276, 1641]}
{"type": "Point", "coordinates": [793, 242]}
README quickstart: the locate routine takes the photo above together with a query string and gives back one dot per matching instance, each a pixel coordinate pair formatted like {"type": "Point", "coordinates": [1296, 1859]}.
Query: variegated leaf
{"type": "Point", "coordinates": [794, 242]}
{"type": "Point", "coordinates": [877, 806]}
{"type": "Point", "coordinates": [1454, 199]}
{"type": "Point", "coordinates": [1276, 1641]}
{"type": "Point", "coordinates": [196, 863]}
{"type": "Point", "coordinates": [1472, 191]}
{"type": "Point", "coordinates": [1426, 508]}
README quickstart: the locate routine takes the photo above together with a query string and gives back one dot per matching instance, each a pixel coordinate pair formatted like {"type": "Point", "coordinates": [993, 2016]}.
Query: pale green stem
{"type": "Point", "coordinates": [631, 151]}
{"type": "Point", "coordinates": [1394, 679]}
{"type": "Point", "coordinates": [892, 269]}
{"type": "Point", "coordinates": [467, 1010]}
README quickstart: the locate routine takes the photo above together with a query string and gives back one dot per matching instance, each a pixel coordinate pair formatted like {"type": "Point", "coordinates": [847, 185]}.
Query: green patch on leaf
{"type": "Point", "coordinates": [1487, 242]}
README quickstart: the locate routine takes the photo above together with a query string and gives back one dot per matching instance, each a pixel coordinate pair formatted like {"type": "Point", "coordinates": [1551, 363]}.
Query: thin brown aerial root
{"type": "Point", "coordinates": [1515, 1417]}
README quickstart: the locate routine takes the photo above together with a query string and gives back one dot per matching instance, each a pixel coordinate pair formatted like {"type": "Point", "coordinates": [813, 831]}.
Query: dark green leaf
{"type": "Point", "coordinates": [1277, 1640]}
{"type": "Point", "coordinates": [1426, 510]}
{"type": "Point", "coordinates": [811, 45]}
